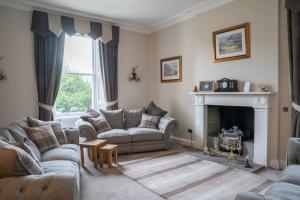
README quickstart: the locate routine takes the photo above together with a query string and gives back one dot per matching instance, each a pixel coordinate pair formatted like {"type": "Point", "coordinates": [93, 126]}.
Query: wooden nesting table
{"type": "Point", "coordinates": [106, 153]}
{"type": "Point", "coordinates": [92, 146]}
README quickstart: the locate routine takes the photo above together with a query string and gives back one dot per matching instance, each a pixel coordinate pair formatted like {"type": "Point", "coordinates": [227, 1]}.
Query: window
{"type": "Point", "coordinates": [80, 85]}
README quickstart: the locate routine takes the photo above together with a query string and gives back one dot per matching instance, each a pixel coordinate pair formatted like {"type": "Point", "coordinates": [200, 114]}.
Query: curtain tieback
{"type": "Point", "coordinates": [111, 103]}
{"type": "Point", "coordinates": [46, 107]}
{"type": "Point", "coordinates": [296, 107]}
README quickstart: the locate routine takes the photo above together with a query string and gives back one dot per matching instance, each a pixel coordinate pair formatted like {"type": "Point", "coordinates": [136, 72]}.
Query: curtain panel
{"type": "Point", "coordinates": [109, 69]}
{"type": "Point", "coordinates": [293, 7]}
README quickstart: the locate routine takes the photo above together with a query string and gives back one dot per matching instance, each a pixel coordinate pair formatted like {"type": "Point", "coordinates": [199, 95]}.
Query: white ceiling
{"type": "Point", "coordinates": [140, 15]}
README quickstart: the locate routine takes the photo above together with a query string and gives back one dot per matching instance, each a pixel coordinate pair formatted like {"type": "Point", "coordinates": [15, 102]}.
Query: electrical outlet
{"type": "Point", "coordinates": [190, 130]}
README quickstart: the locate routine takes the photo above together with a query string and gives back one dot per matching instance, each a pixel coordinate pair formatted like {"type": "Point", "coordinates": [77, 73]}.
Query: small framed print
{"type": "Point", "coordinates": [171, 69]}
{"type": "Point", "coordinates": [232, 43]}
{"type": "Point", "coordinates": [206, 86]}
{"type": "Point", "coordinates": [247, 86]}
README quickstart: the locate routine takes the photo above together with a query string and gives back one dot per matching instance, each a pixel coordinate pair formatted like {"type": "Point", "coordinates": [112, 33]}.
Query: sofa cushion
{"type": "Point", "coordinates": [43, 137]}
{"type": "Point", "coordinates": [284, 191]}
{"type": "Point", "coordinates": [100, 124]}
{"type": "Point", "coordinates": [90, 113]}
{"type": "Point", "coordinates": [145, 134]}
{"type": "Point", "coordinates": [70, 146]}
{"type": "Point", "coordinates": [16, 162]}
{"type": "Point", "coordinates": [291, 175]}
{"type": "Point", "coordinates": [6, 136]}
{"type": "Point", "coordinates": [61, 153]}
{"type": "Point", "coordinates": [114, 117]}
{"type": "Point", "coordinates": [149, 121]}
{"type": "Point", "coordinates": [133, 117]}
{"type": "Point", "coordinates": [56, 127]}
{"type": "Point", "coordinates": [154, 110]}
{"type": "Point", "coordinates": [116, 136]}
{"type": "Point", "coordinates": [28, 150]}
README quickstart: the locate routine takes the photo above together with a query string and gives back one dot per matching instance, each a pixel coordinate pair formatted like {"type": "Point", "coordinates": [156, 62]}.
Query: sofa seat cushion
{"type": "Point", "coordinates": [62, 166]}
{"type": "Point", "coordinates": [61, 153]}
{"type": "Point", "coordinates": [145, 134]}
{"type": "Point", "coordinates": [291, 175]}
{"type": "Point", "coordinates": [284, 191]}
{"type": "Point", "coordinates": [116, 136]}
{"type": "Point", "coordinates": [70, 146]}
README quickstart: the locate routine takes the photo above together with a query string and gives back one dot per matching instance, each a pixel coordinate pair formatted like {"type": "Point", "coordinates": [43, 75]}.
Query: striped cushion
{"type": "Point", "coordinates": [43, 137]}
{"type": "Point", "coordinates": [149, 121]}
{"type": "Point", "coordinates": [114, 117]}
{"type": "Point", "coordinates": [56, 126]}
{"type": "Point", "coordinates": [16, 162]}
{"type": "Point", "coordinates": [90, 113]}
{"type": "Point", "coordinates": [133, 117]}
{"type": "Point", "coordinates": [100, 124]}
{"type": "Point", "coordinates": [28, 150]}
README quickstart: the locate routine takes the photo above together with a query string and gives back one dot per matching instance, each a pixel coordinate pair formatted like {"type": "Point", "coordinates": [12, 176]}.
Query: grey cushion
{"type": "Point", "coordinates": [100, 124]}
{"type": "Point", "coordinates": [154, 110]}
{"type": "Point", "coordinates": [284, 191]}
{"type": "Point", "coordinates": [61, 153]}
{"type": "Point", "coordinates": [90, 113]}
{"type": "Point", "coordinates": [149, 121]}
{"type": "Point", "coordinates": [116, 136]}
{"type": "Point", "coordinates": [291, 175]}
{"type": "Point", "coordinates": [145, 134]}
{"type": "Point", "coordinates": [70, 146]}
{"type": "Point", "coordinates": [114, 117]}
{"type": "Point", "coordinates": [133, 117]}
{"type": "Point", "coordinates": [16, 162]}
{"type": "Point", "coordinates": [43, 137]}
{"type": "Point", "coordinates": [6, 136]}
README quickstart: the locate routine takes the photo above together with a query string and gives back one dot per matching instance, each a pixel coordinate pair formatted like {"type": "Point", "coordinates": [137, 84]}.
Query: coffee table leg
{"type": "Point", "coordinates": [101, 158]}
{"type": "Point", "coordinates": [116, 156]}
{"type": "Point", "coordinates": [109, 159]}
{"type": "Point", "coordinates": [82, 156]}
{"type": "Point", "coordinates": [94, 149]}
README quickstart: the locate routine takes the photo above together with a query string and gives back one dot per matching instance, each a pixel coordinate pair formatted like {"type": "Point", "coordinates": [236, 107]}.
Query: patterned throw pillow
{"type": "Point", "coordinates": [154, 110]}
{"type": "Point", "coordinates": [16, 162]}
{"type": "Point", "coordinates": [28, 150]}
{"type": "Point", "coordinates": [56, 126]}
{"type": "Point", "coordinates": [43, 137]}
{"type": "Point", "coordinates": [100, 124]}
{"type": "Point", "coordinates": [133, 117]}
{"type": "Point", "coordinates": [90, 113]}
{"type": "Point", "coordinates": [114, 117]}
{"type": "Point", "coordinates": [149, 121]}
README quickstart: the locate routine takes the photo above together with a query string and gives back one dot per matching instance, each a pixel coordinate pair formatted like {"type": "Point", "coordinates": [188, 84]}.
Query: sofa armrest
{"type": "Point", "coordinates": [249, 196]}
{"type": "Point", "coordinates": [167, 125]}
{"type": "Point", "coordinates": [293, 151]}
{"type": "Point", "coordinates": [35, 187]}
{"type": "Point", "coordinates": [86, 130]}
{"type": "Point", "coordinates": [72, 135]}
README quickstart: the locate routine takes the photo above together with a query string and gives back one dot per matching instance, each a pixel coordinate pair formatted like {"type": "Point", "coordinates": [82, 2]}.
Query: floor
{"type": "Point", "coordinates": [110, 184]}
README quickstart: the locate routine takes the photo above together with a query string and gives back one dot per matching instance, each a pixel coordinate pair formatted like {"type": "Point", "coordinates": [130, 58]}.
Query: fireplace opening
{"type": "Point", "coordinates": [235, 120]}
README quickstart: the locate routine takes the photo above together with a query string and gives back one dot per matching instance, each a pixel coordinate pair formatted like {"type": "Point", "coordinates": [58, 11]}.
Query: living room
{"type": "Point", "coordinates": [144, 103]}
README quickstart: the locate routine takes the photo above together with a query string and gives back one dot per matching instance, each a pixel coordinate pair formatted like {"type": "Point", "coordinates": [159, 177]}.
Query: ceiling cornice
{"type": "Point", "coordinates": [185, 15]}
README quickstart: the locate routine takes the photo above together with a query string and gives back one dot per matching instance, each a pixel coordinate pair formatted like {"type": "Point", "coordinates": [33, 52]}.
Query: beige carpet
{"type": "Point", "coordinates": [178, 176]}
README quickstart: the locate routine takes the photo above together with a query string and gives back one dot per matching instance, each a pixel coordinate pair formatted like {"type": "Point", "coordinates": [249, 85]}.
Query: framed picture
{"type": "Point", "coordinates": [171, 69]}
{"type": "Point", "coordinates": [206, 86]}
{"type": "Point", "coordinates": [232, 43]}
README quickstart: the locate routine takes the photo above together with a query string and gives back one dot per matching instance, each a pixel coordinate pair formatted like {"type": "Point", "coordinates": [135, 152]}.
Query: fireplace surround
{"type": "Point", "coordinates": [259, 101]}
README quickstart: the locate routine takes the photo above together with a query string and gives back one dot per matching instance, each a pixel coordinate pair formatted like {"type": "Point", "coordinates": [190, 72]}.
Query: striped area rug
{"type": "Point", "coordinates": [178, 176]}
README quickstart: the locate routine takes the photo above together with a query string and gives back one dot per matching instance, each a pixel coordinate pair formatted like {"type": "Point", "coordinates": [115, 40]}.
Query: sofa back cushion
{"type": "Point", "coordinates": [100, 124]}
{"type": "Point", "coordinates": [56, 127]}
{"type": "Point", "coordinates": [114, 117]}
{"type": "Point", "coordinates": [149, 121]}
{"type": "Point", "coordinates": [6, 136]}
{"type": "Point", "coordinates": [16, 162]}
{"type": "Point", "coordinates": [154, 110]}
{"type": "Point", "coordinates": [133, 117]}
{"type": "Point", "coordinates": [43, 137]}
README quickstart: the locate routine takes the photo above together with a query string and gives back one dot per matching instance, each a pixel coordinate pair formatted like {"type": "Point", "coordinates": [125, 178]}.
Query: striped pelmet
{"type": "Point", "coordinates": [178, 176]}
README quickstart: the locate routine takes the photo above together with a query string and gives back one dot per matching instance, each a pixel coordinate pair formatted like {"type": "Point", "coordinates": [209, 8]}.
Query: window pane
{"type": "Point", "coordinates": [75, 93]}
{"type": "Point", "coordinates": [78, 54]}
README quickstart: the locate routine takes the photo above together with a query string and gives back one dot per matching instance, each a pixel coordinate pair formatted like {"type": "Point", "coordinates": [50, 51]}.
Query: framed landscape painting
{"type": "Point", "coordinates": [232, 43]}
{"type": "Point", "coordinates": [171, 69]}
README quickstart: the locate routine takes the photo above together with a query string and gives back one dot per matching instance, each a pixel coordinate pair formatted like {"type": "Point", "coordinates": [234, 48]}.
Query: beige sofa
{"type": "Point", "coordinates": [61, 178]}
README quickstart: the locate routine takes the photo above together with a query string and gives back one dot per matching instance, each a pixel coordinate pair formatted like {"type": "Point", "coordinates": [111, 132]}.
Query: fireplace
{"type": "Point", "coordinates": [227, 117]}
{"type": "Point", "coordinates": [255, 108]}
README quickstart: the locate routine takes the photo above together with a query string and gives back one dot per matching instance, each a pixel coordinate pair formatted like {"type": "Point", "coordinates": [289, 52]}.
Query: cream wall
{"type": "Point", "coordinates": [18, 96]}
{"type": "Point", "coordinates": [193, 40]}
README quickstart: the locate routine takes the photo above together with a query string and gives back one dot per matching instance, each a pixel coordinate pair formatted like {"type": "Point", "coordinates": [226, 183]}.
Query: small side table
{"type": "Point", "coordinates": [92, 146]}
{"type": "Point", "coordinates": [108, 151]}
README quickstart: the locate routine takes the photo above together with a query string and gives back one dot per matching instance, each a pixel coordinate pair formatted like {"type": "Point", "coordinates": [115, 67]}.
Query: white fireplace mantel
{"type": "Point", "coordinates": [260, 101]}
